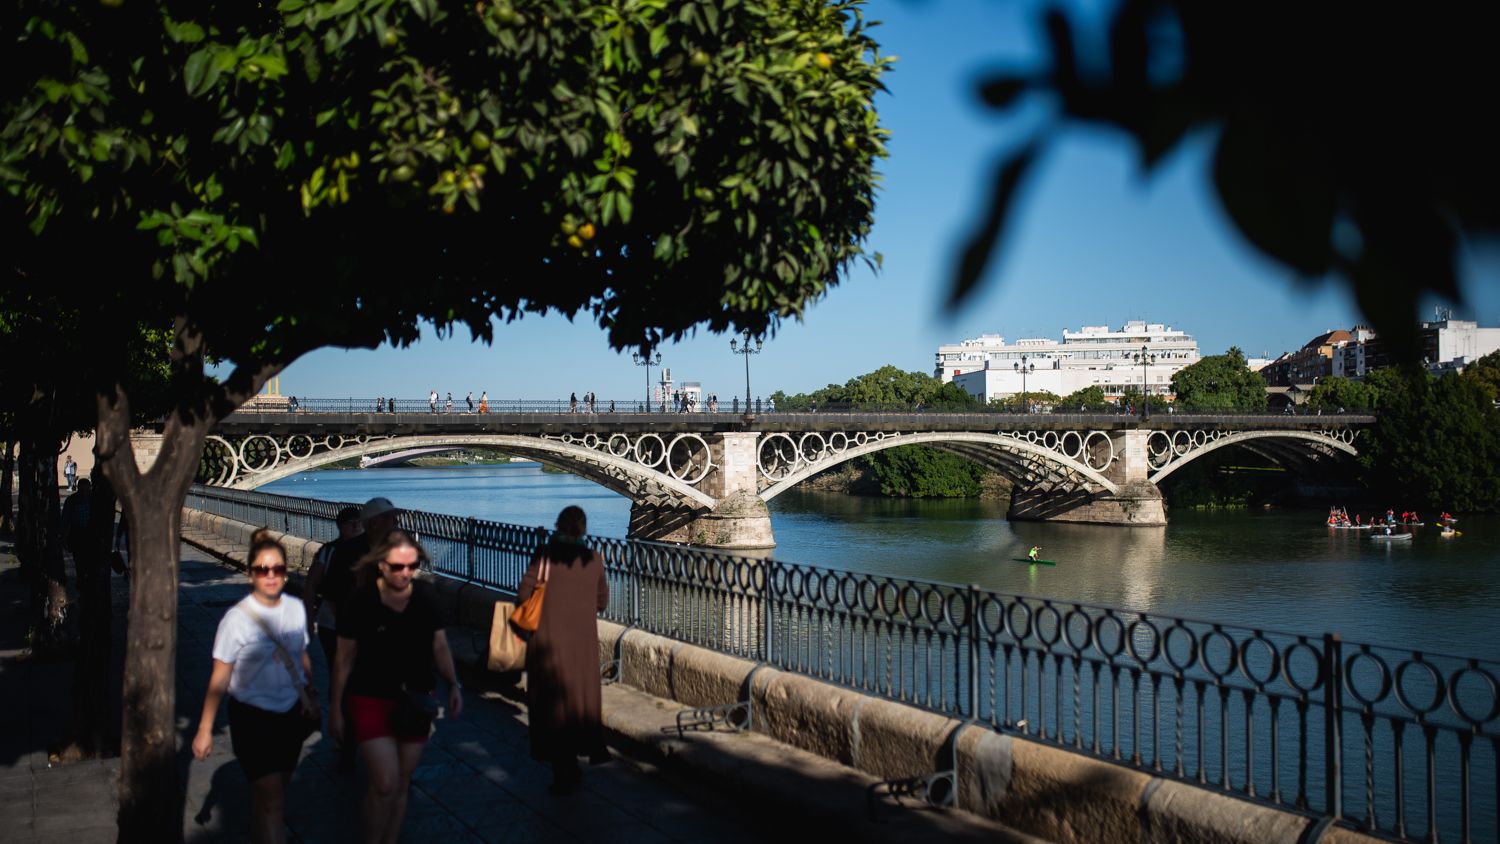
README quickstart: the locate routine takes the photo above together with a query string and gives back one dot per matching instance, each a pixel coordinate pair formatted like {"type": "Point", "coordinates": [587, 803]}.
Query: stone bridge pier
{"type": "Point", "coordinates": [739, 521]}
{"type": "Point", "coordinates": [1136, 501]}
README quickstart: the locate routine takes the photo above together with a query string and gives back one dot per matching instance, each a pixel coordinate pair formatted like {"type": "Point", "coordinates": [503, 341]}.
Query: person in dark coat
{"type": "Point", "coordinates": [562, 658]}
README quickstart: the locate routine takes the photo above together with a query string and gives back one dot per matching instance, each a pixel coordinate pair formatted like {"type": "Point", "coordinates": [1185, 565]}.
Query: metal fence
{"type": "Point", "coordinates": [1392, 741]}
{"type": "Point", "coordinates": [287, 404]}
{"type": "Point", "coordinates": [733, 404]}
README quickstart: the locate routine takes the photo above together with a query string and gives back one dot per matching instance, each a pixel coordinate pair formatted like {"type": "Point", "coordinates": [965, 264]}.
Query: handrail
{"type": "Point", "coordinates": [289, 404]}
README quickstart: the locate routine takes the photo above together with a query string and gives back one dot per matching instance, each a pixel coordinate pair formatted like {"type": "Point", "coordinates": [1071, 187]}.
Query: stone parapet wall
{"type": "Point", "coordinates": [1039, 788]}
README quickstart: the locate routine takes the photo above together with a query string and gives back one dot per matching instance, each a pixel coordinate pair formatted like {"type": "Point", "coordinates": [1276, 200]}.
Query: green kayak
{"type": "Point", "coordinates": [1034, 562]}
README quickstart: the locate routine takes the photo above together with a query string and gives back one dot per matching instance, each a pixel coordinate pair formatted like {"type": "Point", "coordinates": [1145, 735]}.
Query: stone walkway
{"type": "Point", "coordinates": [475, 783]}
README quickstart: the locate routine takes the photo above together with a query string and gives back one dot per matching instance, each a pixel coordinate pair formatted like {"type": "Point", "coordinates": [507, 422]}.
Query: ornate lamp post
{"type": "Point", "coordinates": [1023, 367]}
{"type": "Point", "coordinates": [647, 361]}
{"type": "Point", "coordinates": [746, 350]}
{"type": "Point", "coordinates": [1144, 357]}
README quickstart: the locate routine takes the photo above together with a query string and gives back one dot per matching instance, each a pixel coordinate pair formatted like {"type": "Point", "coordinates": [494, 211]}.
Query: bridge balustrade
{"type": "Point", "coordinates": [733, 405]}
{"type": "Point", "coordinates": [1392, 741]}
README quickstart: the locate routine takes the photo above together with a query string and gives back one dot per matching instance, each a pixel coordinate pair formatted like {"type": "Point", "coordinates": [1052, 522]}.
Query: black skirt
{"type": "Point", "coordinates": [265, 742]}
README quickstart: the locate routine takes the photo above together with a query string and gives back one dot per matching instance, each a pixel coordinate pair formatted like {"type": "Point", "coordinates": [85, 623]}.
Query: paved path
{"type": "Point", "coordinates": [475, 783]}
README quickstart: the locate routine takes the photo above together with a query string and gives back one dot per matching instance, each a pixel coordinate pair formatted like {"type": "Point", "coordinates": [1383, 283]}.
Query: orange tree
{"type": "Point", "coordinates": [262, 180]}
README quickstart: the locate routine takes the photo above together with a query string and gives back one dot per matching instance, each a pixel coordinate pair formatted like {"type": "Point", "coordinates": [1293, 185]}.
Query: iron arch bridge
{"type": "Point", "coordinates": [692, 463]}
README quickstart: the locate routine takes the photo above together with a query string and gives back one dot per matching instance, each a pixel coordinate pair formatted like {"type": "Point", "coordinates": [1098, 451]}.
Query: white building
{"type": "Point", "coordinates": [1457, 343]}
{"type": "Point", "coordinates": [989, 368]}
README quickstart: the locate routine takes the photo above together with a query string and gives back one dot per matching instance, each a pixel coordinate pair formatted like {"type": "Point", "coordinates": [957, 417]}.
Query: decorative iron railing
{"type": "Point", "coordinates": [733, 404]}
{"type": "Point", "coordinates": [1392, 741]}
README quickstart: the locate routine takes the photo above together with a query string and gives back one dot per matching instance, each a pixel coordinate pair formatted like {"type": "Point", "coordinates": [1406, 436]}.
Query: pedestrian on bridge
{"type": "Point", "coordinates": [470, 399]}
{"type": "Point", "coordinates": [484, 402]}
{"type": "Point", "coordinates": [448, 405]}
{"type": "Point", "coordinates": [562, 659]}
{"type": "Point", "coordinates": [572, 402]}
{"type": "Point", "coordinates": [432, 401]}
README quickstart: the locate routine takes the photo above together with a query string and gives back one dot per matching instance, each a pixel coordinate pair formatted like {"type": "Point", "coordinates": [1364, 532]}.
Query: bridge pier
{"type": "Point", "coordinates": [1137, 501]}
{"type": "Point", "coordinates": [740, 520]}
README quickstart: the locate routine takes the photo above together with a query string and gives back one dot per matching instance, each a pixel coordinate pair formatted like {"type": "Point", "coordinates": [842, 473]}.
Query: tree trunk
{"type": "Point", "coordinates": [88, 732]}
{"type": "Point", "coordinates": [39, 543]}
{"type": "Point", "coordinates": [7, 485]}
{"type": "Point", "coordinates": [151, 799]}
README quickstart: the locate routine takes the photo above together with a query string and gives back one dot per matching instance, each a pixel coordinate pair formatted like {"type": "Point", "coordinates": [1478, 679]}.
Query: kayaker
{"type": "Point", "coordinates": [1034, 552]}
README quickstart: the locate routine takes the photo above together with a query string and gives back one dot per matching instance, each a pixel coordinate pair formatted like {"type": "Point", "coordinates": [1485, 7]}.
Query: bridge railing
{"type": "Point", "coordinates": [1389, 740]}
{"type": "Point", "coordinates": [734, 404]}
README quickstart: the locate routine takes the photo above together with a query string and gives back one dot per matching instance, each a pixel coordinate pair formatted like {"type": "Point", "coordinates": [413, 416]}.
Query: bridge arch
{"type": "Point", "coordinates": [1309, 440]}
{"type": "Point", "coordinates": [1004, 448]}
{"type": "Point", "coordinates": [612, 471]}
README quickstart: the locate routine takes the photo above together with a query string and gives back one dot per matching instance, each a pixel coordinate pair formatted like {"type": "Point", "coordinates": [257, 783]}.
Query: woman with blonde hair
{"type": "Point", "coordinates": [562, 659]}
{"type": "Point", "coordinates": [391, 640]}
{"type": "Point", "coordinates": [261, 663]}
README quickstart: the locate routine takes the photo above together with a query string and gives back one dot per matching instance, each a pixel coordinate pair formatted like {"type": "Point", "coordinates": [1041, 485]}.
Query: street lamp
{"type": "Point", "coordinates": [746, 350]}
{"type": "Point", "coordinates": [647, 361]}
{"type": "Point", "coordinates": [1023, 367]}
{"type": "Point", "coordinates": [1144, 357]}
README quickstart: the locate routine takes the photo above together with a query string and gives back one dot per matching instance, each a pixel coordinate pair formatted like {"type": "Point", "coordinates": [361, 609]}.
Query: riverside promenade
{"type": "Point", "coordinates": [476, 781]}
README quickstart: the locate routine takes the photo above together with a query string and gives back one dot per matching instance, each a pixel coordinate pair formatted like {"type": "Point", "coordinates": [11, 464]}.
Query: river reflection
{"type": "Point", "coordinates": [1275, 570]}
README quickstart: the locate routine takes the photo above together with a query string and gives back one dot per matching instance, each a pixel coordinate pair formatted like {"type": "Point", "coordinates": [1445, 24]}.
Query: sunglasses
{"type": "Point", "coordinates": [401, 566]}
{"type": "Point", "coordinates": [268, 571]}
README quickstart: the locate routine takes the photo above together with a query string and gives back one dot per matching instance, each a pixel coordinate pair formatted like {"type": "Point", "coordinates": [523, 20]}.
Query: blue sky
{"type": "Point", "coordinates": [1094, 242]}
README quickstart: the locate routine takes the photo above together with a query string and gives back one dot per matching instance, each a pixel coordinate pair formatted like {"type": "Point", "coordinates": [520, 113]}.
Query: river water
{"type": "Point", "coordinates": [1277, 570]}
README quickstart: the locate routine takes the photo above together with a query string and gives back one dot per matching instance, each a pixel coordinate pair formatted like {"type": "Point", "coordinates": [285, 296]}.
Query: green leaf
{"type": "Point", "coordinates": [622, 204]}
{"type": "Point", "coordinates": [186, 32]}
{"type": "Point", "coordinates": [663, 249]}
{"type": "Point", "coordinates": [196, 71]}
{"type": "Point", "coordinates": [659, 39]}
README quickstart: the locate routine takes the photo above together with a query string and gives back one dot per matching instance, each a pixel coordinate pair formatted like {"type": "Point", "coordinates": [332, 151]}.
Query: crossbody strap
{"type": "Point", "coordinates": [286, 659]}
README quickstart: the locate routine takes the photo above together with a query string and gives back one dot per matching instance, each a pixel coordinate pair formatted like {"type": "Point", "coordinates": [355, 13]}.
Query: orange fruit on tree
{"type": "Point", "coordinates": [586, 231]}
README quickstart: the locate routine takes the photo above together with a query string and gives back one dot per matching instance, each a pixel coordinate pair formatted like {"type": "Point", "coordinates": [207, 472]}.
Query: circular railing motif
{"type": "Point", "coordinates": [688, 459]}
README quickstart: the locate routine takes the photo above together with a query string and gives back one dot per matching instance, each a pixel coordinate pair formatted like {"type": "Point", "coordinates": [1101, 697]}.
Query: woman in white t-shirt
{"type": "Point", "coordinates": [266, 728]}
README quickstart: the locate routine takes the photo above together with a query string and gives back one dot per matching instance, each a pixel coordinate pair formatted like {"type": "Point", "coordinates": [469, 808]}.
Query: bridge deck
{"type": "Point", "coordinates": [249, 423]}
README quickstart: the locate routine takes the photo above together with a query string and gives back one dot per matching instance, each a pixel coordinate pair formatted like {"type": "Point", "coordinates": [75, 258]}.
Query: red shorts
{"type": "Point", "coordinates": [370, 718]}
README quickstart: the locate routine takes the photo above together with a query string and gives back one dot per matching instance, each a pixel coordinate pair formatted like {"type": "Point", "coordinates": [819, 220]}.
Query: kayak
{"type": "Point", "coordinates": [1034, 562]}
{"type": "Point", "coordinates": [1393, 537]}
{"type": "Point", "coordinates": [1449, 534]}
{"type": "Point", "coordinates": [1351, 527]}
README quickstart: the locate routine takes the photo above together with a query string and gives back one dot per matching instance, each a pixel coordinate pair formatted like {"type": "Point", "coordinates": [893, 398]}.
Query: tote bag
{"type": "Point", "coordinates": [507, 648]}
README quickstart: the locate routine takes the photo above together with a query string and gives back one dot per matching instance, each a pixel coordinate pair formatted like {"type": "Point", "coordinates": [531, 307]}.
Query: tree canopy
{"type": "Point", "coordinates": [1220, 382]}
{"type": "Point", "coordinates": [887, 386]}
{"type": "Point", "coordinates": [1343, 394]}
{"type": "Point", "coordinates": [1327, 157]}
{"type": "Point", "coordinates": [1436, 441]}
{"type": "Point", "coordinates": [258, 180]}
{"type": "Point", "coordinates": [375, 165]}
{"type": "Point", "coordinates": [1089, 398]}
